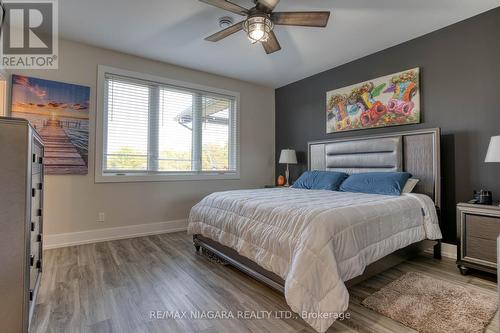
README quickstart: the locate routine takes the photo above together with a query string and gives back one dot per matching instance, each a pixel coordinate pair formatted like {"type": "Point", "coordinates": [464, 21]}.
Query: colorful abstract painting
{"type": "Point", "coordinates": [387, 101]}
{"type": "Point", "coordinates": [60, 114]}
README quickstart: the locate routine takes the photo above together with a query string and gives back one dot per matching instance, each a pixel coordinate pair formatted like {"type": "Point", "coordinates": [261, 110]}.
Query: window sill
{"type": "Point", "coordinates": [138, 177]}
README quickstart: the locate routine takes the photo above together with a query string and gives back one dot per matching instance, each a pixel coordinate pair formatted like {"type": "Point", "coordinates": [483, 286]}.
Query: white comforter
{"type": "Point", "coordinates": [314, 239]}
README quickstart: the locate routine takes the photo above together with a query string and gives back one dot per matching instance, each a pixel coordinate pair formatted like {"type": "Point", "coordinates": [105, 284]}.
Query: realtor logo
{"type": "Point", "coordinates": [29, 34]}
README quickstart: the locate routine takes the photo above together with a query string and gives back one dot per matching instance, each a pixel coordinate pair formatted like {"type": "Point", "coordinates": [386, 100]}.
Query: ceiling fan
{"type": "Point", "coordinates": [261, 20]}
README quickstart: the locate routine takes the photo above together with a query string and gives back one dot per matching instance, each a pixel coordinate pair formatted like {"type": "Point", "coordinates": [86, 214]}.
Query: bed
{"type": "Point", "coordinates": [312, 244]}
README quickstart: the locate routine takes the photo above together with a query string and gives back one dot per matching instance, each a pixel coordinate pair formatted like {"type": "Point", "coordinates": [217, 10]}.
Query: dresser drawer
{"type": "Point", "coordinates": [482, 226]}
{"type": "Point", "coordinates": [36, 157]}
{"type": "Point", "coordinates": [36, 208]}
{"type": "Point", "coordinates": [33, 277]}
{"type": "Point", "coordinates": [36, 203]}
{"type": "Point", "coordinates": [36, 214]}
{"type": "Point", "coordinates": [36, 184]}
{"type": "Point", "coordinates": [36, 254]}
{"type": "Point", "coordinates": [35, 230]}
{"type": "Point", "coordinates": [481, 248]}
{"type": "Point", "coordinates": [34, 257]}
{"type": "Point", "coordinates": [36, 238]}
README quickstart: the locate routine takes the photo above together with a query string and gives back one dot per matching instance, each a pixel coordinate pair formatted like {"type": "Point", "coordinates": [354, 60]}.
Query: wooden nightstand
{"type": "Point", "coordinates": [478, 227]}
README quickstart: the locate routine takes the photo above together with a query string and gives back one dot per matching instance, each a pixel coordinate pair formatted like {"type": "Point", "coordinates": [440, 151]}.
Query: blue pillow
{"type": "Point", "coordinates": [320, 180]}
{"type": "Point", "coordinates": [387, 183]}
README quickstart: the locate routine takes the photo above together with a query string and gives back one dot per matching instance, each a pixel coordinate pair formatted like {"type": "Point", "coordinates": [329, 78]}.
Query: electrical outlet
{"type": "Point", "coordinates": [101, 217]}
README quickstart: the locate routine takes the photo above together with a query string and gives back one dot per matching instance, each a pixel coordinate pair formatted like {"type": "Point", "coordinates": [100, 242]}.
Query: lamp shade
{"type": "Point", "coordinates": [493, 154]}
{"type": "Point", "coordinates": [288, 156]}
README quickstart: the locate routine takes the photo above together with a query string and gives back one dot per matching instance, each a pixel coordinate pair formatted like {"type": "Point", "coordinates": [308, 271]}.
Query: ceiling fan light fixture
{"type": "Point", "coordinates": [258, 27]}
{"type": "Point", "coordinates": [261, 19]}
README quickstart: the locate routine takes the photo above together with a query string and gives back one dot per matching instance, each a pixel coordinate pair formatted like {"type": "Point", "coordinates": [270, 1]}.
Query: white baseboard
{"type": "Point", "coordinates": [447, 250]}
{"type": "Point", "coordinates": [106, 234]}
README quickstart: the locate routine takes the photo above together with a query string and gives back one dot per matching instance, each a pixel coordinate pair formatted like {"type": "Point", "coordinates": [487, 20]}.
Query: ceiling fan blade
{"type": "Point", "coordinates": [272, 45]}
{"type": "Point", "coordinates": [226, 5]}
{"type": "Point", "coordinates": [305, 19]}
{"type": "Point", "coordinates": [266, 5]}
{"type": "Point", "coordinates": [226, 32]}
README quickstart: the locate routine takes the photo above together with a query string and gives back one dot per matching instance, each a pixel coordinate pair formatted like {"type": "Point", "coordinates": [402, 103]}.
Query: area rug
{"type": "Point", "coordinates": [429, 305]}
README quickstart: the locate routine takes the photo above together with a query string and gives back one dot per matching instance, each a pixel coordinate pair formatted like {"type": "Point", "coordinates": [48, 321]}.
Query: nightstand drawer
{"type": "Point", "coordinates": [480, 248]}
{"type": "Point", "coordinates": [482, 226]}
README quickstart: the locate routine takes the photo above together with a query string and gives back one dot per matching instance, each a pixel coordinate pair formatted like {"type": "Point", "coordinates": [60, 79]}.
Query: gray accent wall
{"type": "Point", "coordinates": [460, 93]}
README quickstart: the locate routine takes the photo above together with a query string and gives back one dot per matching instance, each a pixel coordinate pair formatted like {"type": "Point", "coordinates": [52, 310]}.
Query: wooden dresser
{"type": "Point", "coordinates": [21, 222]}
{"type": "Point", "coordinates": [478, 227]}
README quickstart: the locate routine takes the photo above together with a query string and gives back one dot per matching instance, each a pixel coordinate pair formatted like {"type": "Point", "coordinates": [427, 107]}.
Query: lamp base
{"type": "Point", "coordinates": [287, 176]}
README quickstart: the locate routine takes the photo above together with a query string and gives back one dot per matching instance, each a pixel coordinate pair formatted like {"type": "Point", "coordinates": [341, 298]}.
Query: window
{"type": "Point", "coordinates": [157, 129]}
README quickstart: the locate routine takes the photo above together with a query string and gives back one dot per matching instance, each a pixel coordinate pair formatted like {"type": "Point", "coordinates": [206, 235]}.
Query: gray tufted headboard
{"type": "Point", "coordinates": [417, 152]}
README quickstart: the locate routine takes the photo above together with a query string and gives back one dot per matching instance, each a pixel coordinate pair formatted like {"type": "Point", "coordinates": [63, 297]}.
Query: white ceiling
{"type": "Point", "coordinates": [173, 31]}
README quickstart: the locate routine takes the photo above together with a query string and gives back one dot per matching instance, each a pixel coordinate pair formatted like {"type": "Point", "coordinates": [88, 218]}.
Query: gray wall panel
{"type": "Point", "coordinates": [459, 91]}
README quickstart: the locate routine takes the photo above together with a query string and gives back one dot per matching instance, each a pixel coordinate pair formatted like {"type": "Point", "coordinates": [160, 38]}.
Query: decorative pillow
{"type": "Point", "coordinates": [387, 183]}
{"type": "Point", "coordinates": [320, 180]}
{"type": "Point", "coordinates": [410, 185]}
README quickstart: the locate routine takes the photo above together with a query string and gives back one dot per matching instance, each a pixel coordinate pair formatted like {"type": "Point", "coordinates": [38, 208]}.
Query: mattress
{"type": "Point", "coordinates": [314, 239]}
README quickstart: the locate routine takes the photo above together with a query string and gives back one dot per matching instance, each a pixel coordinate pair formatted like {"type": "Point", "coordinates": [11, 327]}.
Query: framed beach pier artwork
{"type": "Point", "coordinates": [60, 114]}
{"type": "Point", "coordinates": [386, 101]}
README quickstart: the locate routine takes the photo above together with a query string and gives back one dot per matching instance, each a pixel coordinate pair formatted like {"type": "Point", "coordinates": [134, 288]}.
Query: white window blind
{"type": "Point", "coordinates": [155, 128]}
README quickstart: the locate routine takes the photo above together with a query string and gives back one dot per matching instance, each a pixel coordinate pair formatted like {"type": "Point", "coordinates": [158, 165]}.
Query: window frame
{"type": "Point", "coordinates": [151, 176]}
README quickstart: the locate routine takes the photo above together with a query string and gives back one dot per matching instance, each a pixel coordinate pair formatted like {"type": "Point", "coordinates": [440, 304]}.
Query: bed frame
{"type": "Point", "coordinates": [416, 152]}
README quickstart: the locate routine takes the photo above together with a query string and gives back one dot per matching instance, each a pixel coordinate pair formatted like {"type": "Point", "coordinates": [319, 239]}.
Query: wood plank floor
{"type": "Point", "coordinates": [114, 286]}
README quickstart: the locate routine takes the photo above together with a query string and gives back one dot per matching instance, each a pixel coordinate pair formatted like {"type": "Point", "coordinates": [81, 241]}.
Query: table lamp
{"type": "Point", "coordinates": [493, 154]}
{"type": "Point", "coordinates": [287, 157]}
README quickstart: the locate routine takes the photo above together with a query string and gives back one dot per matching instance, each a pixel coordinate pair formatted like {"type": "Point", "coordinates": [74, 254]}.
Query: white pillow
{"type": "Point", "coordinates": [410, 185]}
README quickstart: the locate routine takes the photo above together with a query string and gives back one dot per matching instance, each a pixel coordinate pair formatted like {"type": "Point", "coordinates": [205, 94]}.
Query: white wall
{"type": "Point", "coordinates": [72, 203]}
{"type": "Point", "coordinates": [3, 92]}
{"type": "Point", "coordinates": [3, 95]}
